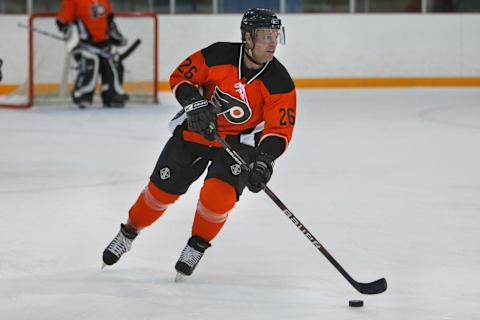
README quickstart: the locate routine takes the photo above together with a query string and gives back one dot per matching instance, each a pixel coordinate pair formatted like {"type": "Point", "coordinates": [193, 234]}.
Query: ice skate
{"type": "Point", "coordinates": [119, 245]}
{"type": "Point", "coordinates": [116, 101]}
{"type": "Point", "coordinates": [190, 256]}
{"type": "Point", "coordinates": [82, 102]}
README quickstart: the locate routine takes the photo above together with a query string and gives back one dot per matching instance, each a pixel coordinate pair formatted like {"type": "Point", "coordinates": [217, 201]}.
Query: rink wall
{"type": "Point", "coordinates": [323, 50]}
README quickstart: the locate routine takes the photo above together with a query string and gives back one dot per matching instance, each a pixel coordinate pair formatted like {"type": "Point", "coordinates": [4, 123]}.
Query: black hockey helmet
{"type": "Point", "coordinates": [257, 18]}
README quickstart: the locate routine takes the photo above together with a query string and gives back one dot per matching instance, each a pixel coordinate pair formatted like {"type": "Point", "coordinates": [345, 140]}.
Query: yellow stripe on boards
{"type": "Point", "coordinates": [319, 83]}
{"type": "Point", "coordinates": [7, 88]}
{"type": "Point", "coordinates": [300, 83]}
{"type": "Point", "coordinates": [385, 82]}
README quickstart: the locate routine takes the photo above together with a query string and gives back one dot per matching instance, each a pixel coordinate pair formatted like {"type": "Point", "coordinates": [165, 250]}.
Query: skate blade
{"type": "Point", "coordinates": [104, 265]}
{"type": "Point", "coordinates": [179, 277]}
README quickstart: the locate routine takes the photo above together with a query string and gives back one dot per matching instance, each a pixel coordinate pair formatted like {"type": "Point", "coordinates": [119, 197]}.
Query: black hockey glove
{"type": "Point", "coordinates": [116, 38]}
{"type": "Point", "coordinates": [65, 28]}
{"type": "Point", "coordinates": [201, 117]}
{"type": "Point", "coordinates": [261, 172]}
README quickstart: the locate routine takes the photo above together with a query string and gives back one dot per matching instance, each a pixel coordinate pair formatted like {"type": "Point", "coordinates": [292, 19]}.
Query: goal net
{"type": "Point", "coordinates": [51, 70]}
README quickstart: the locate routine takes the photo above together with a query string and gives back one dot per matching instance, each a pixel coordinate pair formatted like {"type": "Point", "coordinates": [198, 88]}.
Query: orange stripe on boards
{"type": "Point", "coordinates": [138, 86]}
{"type": "Point", "coordinates": [164, 86]}
{"type": "Point", "coordinates": [385, 82]}
{"type": "Point", "coordinates": [301, 83]}
{"type": "Point", "coordinates": [7, 88]}
{"type": "Point", "coordinates": [318, 83]}
{"type": "Point", "coordinates": [45, 88]}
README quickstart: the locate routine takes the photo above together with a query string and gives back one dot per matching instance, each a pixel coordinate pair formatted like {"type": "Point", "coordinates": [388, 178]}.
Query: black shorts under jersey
{"type": "Point", "coordinates": [182, 162]}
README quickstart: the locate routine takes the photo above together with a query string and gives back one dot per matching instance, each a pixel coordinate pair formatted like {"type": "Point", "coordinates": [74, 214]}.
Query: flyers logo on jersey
{"type": "Point", "coordinates": [235, 110]}
{"type": "Point", "coordinates": [98, 10]}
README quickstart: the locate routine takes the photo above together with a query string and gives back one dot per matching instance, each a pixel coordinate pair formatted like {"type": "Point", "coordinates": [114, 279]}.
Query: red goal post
{"type": "Point", "coordinates": [51, 71]}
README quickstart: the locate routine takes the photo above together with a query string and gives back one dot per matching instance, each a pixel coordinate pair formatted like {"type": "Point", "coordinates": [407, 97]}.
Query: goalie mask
{"type": "Point", "coordinates": [262, 19]}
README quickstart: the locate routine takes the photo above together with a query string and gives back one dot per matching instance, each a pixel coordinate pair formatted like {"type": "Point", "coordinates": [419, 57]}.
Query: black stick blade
{"type": "Point", "coordinates": [374, 287]}
{"type": "Point", "coordinates": [130, 49]}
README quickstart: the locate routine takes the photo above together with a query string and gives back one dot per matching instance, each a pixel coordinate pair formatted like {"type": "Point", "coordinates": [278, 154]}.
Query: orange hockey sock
{"type": "Point", "coordinates": [217, 198]}
{"type": "Point", "coordinates": [150, 205]}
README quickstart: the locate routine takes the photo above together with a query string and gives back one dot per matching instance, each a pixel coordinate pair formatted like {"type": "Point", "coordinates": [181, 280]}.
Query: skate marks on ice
{"type": "Point", "coordinates": [44, 189]}
{"type": "Point", "coordinates": [91, 294]}
{"type": "Point", "coordinates": [146, 293]}
{"type": "Point", "coordinates": [455, 108]}
{"type": "Point", "coordinates": [45, 146]}
{"type": "Point", "coordinates": [376, 171]}
{"type": "Point", "coordinates": [453, 116]}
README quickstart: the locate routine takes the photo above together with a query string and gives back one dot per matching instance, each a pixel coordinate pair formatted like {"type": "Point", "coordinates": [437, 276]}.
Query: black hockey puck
{"type": "Point", "coordinates": [355, 303]}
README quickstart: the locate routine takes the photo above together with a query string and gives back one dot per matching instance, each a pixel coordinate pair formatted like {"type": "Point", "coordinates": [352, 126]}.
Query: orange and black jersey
{"type": "Point", "coordinates": [93, 18]}
{"type": "Point", "coordinates": [255, 104]}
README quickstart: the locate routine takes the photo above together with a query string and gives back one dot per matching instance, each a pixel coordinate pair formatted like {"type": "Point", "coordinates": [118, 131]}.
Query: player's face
{"type": "Point", "coordinates": [266, 42]}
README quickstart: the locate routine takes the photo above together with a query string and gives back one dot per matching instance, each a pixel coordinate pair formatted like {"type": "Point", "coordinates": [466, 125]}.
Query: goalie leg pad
{"type": "Point", "coordinates": [217, 198]}
{"type": "Point", "coordinates": [85, 83]}
{"type": "Point", "coordinates": [112, 80]}
{"type": "Point", "coordinates": [150, 205]}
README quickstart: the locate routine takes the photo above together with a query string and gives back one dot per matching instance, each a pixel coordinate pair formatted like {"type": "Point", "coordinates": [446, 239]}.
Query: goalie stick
{"type": "Point", "coordinates": [124, 55]}
{"type": "Point", "coordinates": [375, 287]}
{"type": "Point", "coordinates": [86, 46]}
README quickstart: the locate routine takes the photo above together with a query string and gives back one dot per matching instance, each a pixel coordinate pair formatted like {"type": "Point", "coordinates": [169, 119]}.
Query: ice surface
{"type": "Point", "coordinates": [13, 99]}
{"type": "Point", "coordinates": [388, 180]}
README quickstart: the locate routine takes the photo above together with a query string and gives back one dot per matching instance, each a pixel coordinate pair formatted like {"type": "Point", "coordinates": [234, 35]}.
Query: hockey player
{"type": "Point", "coordinates": [94, 20]}
{"type": "Point", "coordinates": [248, 96]}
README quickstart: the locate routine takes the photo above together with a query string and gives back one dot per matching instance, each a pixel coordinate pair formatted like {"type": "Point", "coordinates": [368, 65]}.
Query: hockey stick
{"type": "Point", "coordinates": [87, 46]}
{"type": "Point", "coordinates": [375, 287]}
{"type": "Point", "coordinates": [124, 55]}
{"type": "Point", "coordinates": [44, 32]}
